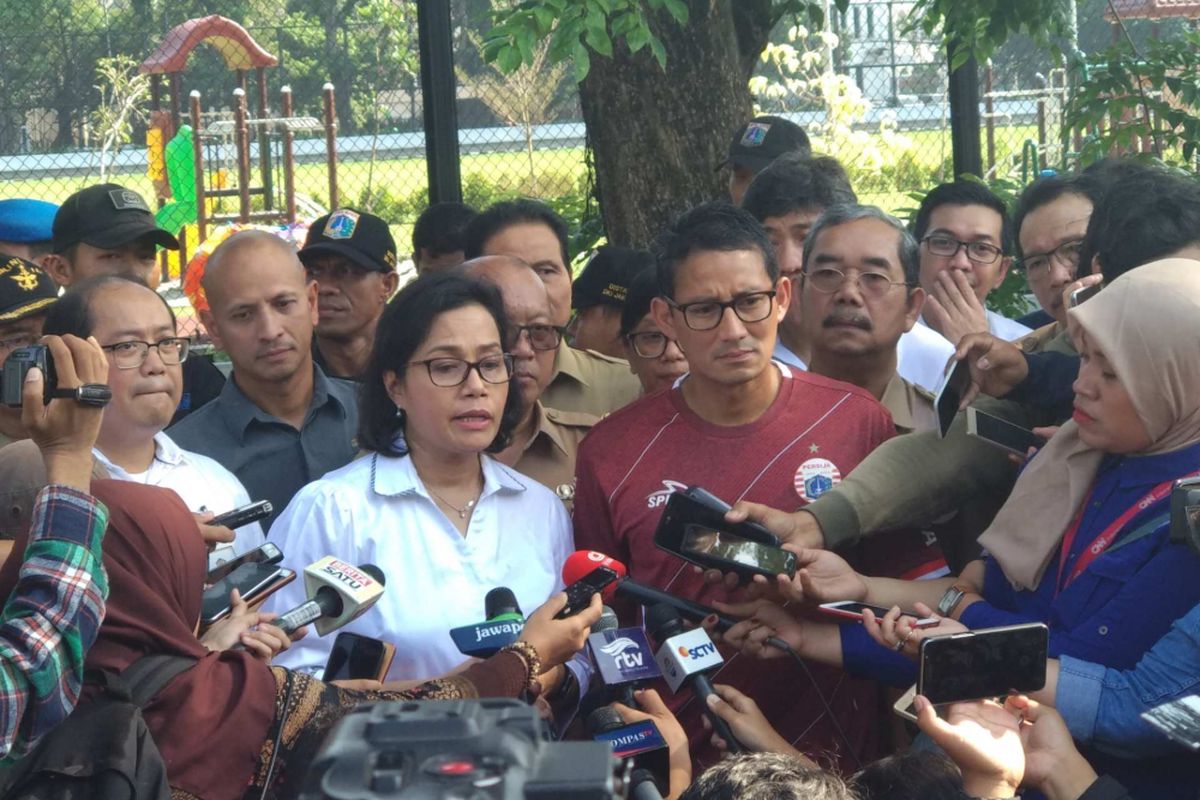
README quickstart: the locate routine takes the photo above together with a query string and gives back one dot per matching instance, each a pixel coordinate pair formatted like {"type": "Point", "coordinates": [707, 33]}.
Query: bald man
{"type": "Point", "coordinates": [280, 422]}
{"type": "Point", "coordinates": [546, 441]}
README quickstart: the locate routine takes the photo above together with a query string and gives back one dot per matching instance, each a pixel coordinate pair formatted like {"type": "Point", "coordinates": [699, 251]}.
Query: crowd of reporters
{"type": "Point", "coordinates": [461, 436]}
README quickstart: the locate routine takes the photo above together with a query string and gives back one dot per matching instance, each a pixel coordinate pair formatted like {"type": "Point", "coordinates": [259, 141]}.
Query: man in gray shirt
{"type": "Point", "coordinates": [279, 422]}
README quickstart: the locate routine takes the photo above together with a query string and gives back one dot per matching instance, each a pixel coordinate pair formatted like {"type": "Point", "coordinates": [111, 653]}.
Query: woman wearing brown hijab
{"type": "Point", "coordinates": [216, 723]}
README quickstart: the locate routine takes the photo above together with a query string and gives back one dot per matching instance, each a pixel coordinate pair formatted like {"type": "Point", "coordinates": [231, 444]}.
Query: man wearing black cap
{"type": "Point", "coordinates": [598, 294]}
{"type": "Point", "coordinates": [107, 229]}
{"type": "Point", "coordinates": [352, 257]}
{"type": "Point", "coordinates": [756, 145]}
{"type": "Point", "coordinates": [26, 294]}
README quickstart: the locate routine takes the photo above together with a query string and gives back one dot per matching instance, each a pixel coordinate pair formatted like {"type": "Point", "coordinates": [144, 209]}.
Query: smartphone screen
{"type": "Point", "coordinates": [949, 397]}
{"type": "Point", "coordinates": [1084, 294]}
{"type": "Point", "coordinates": [1001, 433]}
{"type": "Point", "coordinates": [354, 657]}
{"type": "Point", "coordinates": [266, 554]}
{"type": "Point", "coordinates": [251, 580]}
{"type": "Point", "coordinates": [982, 664]}
{"type": "Point", "coordinates": [700, 540]}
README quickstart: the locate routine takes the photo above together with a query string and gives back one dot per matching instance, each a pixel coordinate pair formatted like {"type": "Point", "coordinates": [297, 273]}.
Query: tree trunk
{"type": "Point", "coordinates": [658, 136]}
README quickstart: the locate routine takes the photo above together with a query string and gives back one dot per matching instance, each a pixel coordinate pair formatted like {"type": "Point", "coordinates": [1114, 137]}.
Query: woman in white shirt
{"type": "Point", "coordinates": [445, 522]}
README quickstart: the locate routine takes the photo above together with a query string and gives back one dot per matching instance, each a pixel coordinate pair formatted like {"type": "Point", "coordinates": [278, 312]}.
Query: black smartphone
{"type": "Point", "coordinates": [949, 396]}
{"type": "Point", "coordinates": [981, 664]}
{"type": "Point", "coordinates": [852, 609]}
{"type": "Point", "coordinates": [266, 554]}
{"type": "Point", "coordinates": [579, 593]}
{"type": "Point", "coordinates": [251, 512]}
{"type": "Point", "coordinates": [697, 506]}
{"type": "Point", "coordinates": [717, 548]}
{"type": "Point", "coordinates": [1185, 513]}
{"type": "Point", "coordinates": [355, 657]}
{"type": "Point", "coordinates": [254, 581]}
{"type": "Point", "coordinates": [1001, 433]}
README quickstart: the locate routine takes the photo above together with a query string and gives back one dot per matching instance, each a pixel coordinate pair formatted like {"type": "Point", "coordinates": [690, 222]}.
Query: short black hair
{"type": "Point", "coordinates": [1046, 190]}
{"type": "Point", "coordinates": [641, 292]}
{"type": "Point", "coordinates": [794, 183]}
{"type": "Point", "coordinates": [500, 216]}
{"type": "Point", "coordinates": [912, 775]}
{"type": "Point", "coordinates": [441, 227]}
{"type": "Point", "coordinates": [402, 329]}
{"type": "Point", "coordinates": [72, 313]}
{"type": "Point", "coordinates": [766, 776]}
{"type": "Point", "coordinates": [719, 227]}
{"type": "Point", "coordinates": [963, 193]}
{"type": "Point", "coordinates": [1145, 215]}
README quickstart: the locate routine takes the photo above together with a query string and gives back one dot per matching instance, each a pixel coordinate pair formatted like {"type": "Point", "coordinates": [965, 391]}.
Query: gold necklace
{"type": "Point", "coordinates": [462, 512]}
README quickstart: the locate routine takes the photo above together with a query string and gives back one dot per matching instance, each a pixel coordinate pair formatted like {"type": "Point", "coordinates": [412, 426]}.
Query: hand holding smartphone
{"type": "Point", "coordinates": [852, 609]}
{"type": "Point", "coordinates": [579, 594]}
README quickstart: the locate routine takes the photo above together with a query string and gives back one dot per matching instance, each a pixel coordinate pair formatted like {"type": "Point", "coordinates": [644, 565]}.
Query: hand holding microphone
{"type": "Point", "coordinates": [249, 630]}
{"type": "Point", "coordinates": [557, 640]}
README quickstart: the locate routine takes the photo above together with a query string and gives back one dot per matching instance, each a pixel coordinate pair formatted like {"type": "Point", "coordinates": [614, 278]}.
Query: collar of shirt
{"type": "Point", "coordinates": [165, 452]}
{"type": "Point", "coordinates": [240, 410]}
{"type": "Point", "coordinates": [1137, 471]}
{"type": "Point", "coordinates": [566, 362]}
{"type": "Point", "coordinates": [397, 476]}
{"type": "Point", "coordinates": [545, 428]}
{"type": "Point", "coordinates": [904, 400]}
{"type": "Point", "coordinates": [784, 354]}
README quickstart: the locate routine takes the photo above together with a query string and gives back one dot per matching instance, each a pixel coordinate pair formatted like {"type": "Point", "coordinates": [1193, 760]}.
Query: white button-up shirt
{"type": "Point", "coordinates": [376, 510]}
{"type": "Point", "coordinates": [203, 484]}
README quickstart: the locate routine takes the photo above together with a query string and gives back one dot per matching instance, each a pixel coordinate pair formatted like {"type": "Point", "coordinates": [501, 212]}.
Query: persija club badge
{"type": "Point", "coordinates": [815, 477]}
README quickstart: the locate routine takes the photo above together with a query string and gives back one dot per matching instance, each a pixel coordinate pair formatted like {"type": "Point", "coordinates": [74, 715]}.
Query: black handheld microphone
{"type": "Point", "coordinates": [683, 657]}
{"type": "Point", "coordinates": [642, 786]}
{"type": "Point", "coordinates": [503, 625]}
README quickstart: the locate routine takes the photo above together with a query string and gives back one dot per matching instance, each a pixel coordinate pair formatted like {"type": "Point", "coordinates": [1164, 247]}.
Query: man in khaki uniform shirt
{"type": "Point", "coordinates": [545, 441]}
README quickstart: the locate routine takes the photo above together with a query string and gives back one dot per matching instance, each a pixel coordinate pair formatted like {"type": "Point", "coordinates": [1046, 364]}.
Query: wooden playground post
{"type": "Point", "coordinates": [990, 109]}
{"type": "Point", "coordinates": [289, 159]}
{"type": "Point", "coordinates": [198, 159]}
{"type": "Point", "coordinates": [331, 143]}
{"type": "Point", "coordinates": [242, 144]}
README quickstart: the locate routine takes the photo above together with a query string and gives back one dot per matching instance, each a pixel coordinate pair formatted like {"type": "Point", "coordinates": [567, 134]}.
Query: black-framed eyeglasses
{"type": "Point", "coordinates": [542, 336]}
{"type": "Point", "coordinates": [132, 354]}
{"type": "Point", "coordinates": [1066, 254]}
{"type": "Point", "coordinates": [829, 280]}
{"type": "Point", "coordinates": [979, 252]}
{"type": "Point", "coordinates": [704, 315]}
{"type": "Point", "coordinates": [449, 372]}
{"type": "Point", "coordinates": [648, 344]}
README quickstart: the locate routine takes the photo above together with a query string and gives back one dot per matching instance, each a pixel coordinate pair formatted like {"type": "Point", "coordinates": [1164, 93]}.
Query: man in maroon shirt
{"type": "Point", "coordinates": [742, 427]}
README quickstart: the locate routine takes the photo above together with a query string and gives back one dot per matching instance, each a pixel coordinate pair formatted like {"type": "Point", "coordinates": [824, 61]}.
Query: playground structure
{"type": "Point", "coordinates": [192, 164]}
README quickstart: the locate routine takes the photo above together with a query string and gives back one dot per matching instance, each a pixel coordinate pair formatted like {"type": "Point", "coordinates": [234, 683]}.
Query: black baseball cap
{"type": "Point", "coordinates": [763, 139]}
{"type": "Point", "coordinates": [607, 276]}
{"type": "Point", "coordinates": [107, 215]}
{"type": "Point", "coordinates": [637, 302]}
{"type": "Point", "coordinates": [25, 289]}
{"type": "Point", "coordinates": [363, 239]}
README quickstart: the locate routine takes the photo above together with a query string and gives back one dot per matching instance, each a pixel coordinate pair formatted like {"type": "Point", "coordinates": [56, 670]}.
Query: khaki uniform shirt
{"type": "Point", "coordinates": [911, 406]}
{"type": "Point", "coordinates": [590, 382]}
{"type": "Point", "coordinates": [549, 457]}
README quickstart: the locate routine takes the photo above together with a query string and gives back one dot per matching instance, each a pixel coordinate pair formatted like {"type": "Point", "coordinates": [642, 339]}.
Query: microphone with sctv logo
{"type": "Point", "coordinates": [502, 626]}
{"type": "Point", "coordinates": [338, 593]}
{"type": "Point", "coordinates": [683, 657]}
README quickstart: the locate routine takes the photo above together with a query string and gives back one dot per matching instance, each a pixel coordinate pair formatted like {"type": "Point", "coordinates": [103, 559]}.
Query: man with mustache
{"type": "Point", "coordinates": [280, 422]}
{"type": "Point", "coordinates": [860, 295]}
{"type": "Point", "coordinates": [352, 257]}
{"type": "Point", "coordinates": [546, 442]}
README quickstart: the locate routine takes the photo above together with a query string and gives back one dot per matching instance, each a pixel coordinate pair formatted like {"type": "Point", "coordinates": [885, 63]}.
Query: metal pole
{"type": "Point", "coordinates": [964, 117]}
{"type": "Point", "coordinates": [990, 107]}
{"type": "Point", "coordinates": [331, 143]}
{"type": "Point", "coordinates": [198, 159]}
{"type": "Point", "coordinates": [438, 94]}
{"type": "Point", "coordinates": [263, 134]}
{"type": "Point", "coordinates": [289, 160]}
{"type": "Point", "coordinates": [242, 144]}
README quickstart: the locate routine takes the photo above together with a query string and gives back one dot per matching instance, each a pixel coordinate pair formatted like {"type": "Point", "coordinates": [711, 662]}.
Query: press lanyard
{"type": "Point", "coordinates": [1109, 535]}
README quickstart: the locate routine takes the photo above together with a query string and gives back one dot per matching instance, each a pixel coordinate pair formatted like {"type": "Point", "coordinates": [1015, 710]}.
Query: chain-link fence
{"type": "Point", "coordinates": [219, 111]}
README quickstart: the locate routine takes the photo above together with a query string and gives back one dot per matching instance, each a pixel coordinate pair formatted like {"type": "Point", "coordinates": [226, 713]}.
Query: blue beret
{"type": "Point", "coordinates": [24, 220]}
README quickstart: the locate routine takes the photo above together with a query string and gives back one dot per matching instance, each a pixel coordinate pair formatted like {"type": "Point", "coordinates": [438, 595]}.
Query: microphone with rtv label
{"type": "Point", "coordinates": [623, 657]}
{"type": "Point", "coordinates": [502, 626]}
{"type": "Point", "coordinates": [684, 656]}
{"type": "Point", "coordinates": [338, 593]}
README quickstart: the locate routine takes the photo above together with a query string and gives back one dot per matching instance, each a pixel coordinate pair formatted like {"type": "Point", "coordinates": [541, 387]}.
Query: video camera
{"type": "Point", "coordinates": [491, 748]}
{"type": "Point", "coordinates": [19, 362]}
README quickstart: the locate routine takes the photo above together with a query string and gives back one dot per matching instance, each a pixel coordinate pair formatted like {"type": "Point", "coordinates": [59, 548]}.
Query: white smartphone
{"type": "Point", "coordinates": [904, 706]}
{"type": "Point", "coordinates": [1001, 433]}
{"type": "Point", "coordinates": [852, 609]}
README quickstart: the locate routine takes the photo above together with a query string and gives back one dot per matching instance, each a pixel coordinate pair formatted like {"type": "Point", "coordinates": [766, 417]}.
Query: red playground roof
{"type": "Point", "coordinates": [1153, 9]}
{"type": "Point", "coordinates": [231, 40]}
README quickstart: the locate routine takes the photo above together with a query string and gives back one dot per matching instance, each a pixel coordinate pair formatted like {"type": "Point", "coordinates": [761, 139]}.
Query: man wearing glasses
{"type": "Point", "coordinates": [741, 426]}
{"type": "Point", "coordinates": [280, 422]}
{"type": "Point", "coordinates": [136, 329]}
{"type": "Point", "coordinates": [966, 244]}
{"type": "Point", "coordinates": [26, 294]}
{"type": "Point", "coordinates": [546, 441]}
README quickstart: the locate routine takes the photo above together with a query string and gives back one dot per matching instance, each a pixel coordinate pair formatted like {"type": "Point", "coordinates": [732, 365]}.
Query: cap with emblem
{"type": "Point", "coordinates": [607, 276]}
{"type": "Point", "coordinates": [25, 289]}
{"type": "Point", "coordinates": [363, 239]}
{"type": "Point", "coordinates": [107, 215]}
{"type": "Point", "coordinates": [764, 139]}
{"type": "Point", "coordinates": [26, 221]}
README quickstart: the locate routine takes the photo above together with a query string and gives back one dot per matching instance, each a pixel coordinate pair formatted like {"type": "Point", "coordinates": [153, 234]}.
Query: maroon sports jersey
{"type": "Point", "coordinates": [815, 432]}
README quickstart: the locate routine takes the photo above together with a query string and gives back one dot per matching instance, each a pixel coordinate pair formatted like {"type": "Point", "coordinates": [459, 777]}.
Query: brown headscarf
{"type": "Point", "coordinates": [1147, 323]}
{"type": "Point", "coordinates": [210, 722]}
